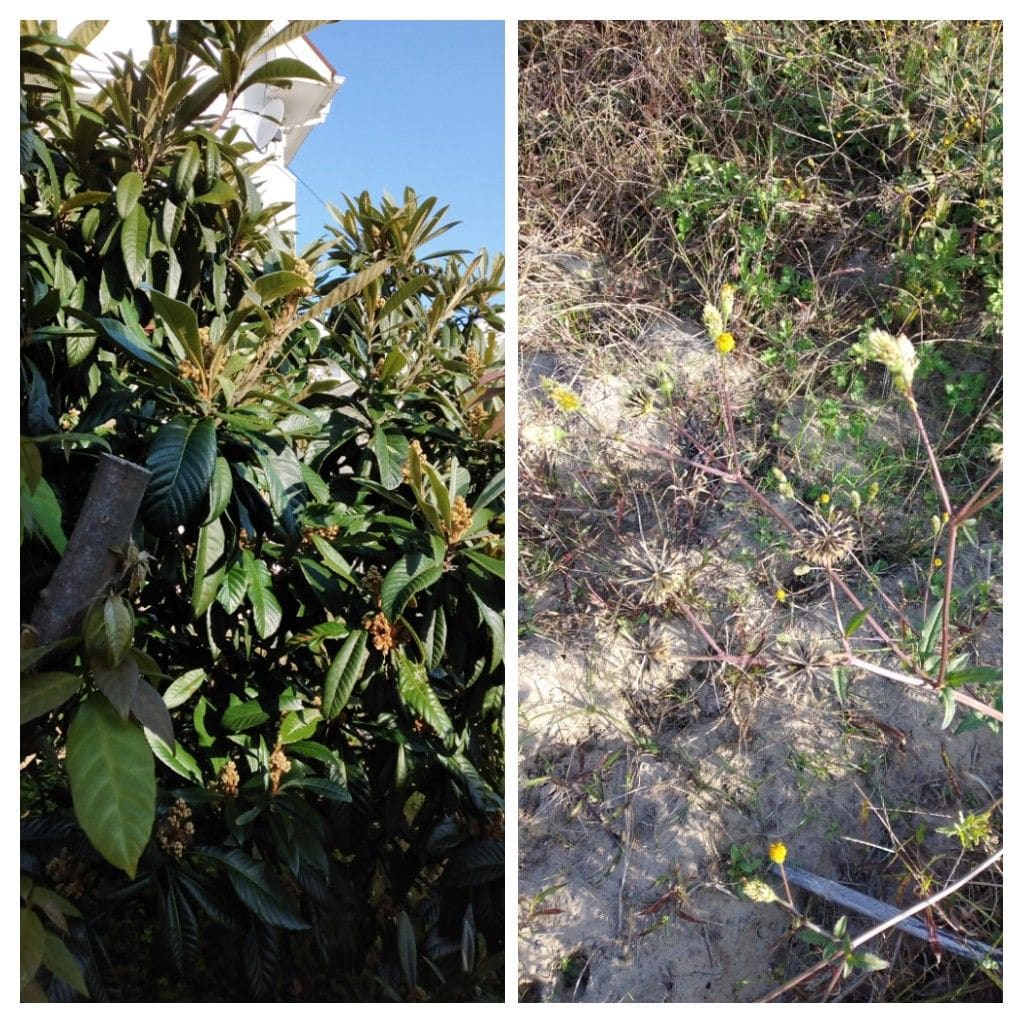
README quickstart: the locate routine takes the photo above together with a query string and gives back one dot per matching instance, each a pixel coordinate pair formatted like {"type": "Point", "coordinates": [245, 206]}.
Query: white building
{"type": "Point", "coordinates": [276, 120]}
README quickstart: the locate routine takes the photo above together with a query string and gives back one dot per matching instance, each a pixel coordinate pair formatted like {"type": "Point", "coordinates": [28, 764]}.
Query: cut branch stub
{"type": "Point", "coordinates": [90, 560]}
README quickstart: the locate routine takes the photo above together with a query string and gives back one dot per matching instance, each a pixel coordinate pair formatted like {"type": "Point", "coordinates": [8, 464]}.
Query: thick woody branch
{"type": "Point", "coordinates": [91, 559]}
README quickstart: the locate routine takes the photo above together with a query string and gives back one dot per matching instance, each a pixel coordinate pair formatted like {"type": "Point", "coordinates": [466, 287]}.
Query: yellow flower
{"type": "Point", "coordinates": [777, 853]}
{"type": "Point", "coordinates": [945, 517]}
{"type": "Point", "coordinates": [937, 562]}
{"type": "Point", "coordinates": [781, 595]}
{"type": "Point", "coordinates": [824, 498]}
{"type": "Point", "coordinates": [725, 342]}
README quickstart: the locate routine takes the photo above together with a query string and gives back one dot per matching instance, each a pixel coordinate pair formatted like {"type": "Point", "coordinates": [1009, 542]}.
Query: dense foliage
{"type": "Point", "coordinates": [268, 763]}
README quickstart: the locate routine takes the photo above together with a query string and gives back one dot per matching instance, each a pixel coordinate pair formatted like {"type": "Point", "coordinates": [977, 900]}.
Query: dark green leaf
{"type": "Point", "coordinates": [280, 71]}
{"type": "Point", "coordinates": [412, 573]}
{"type": "Point", "coordinates": [477, 861]}
{"type": "Point", "coordinates": [118, 684]}
{"type": "Point", "coordinates": [33, 942]}
{"type": "Point", "coordinates": [182, 322]}
{"type": "Point", "coordinates": [119, 625]}
{"type": "Point", "coordinates": [496, 626]}
{"type": "Point", "coordinates": [57, 959]}
{"type": "Point", "coordinates": [323, 787]}
{"type": "Point", "coordinates": [266, 611]}
{"type": "Point", "coordinates": [344, 672]}
{"type": "Point", "coordinates": [419, 697]}
{"type": "Point", "coordinates": [45, 691]}
{"type": "Point", "coordinates": [492, 490]}
{"type": "Point", "coordinates": [391, 449]}
{"type": "Point", "coordinates": [857, 621]}
{"type": "Point", "coordinates": [186, 169]}
{"type": "Point", "coordinates": [181, 460]}
{"type": "Point", "coordinates": [129, 189]}
{"type": "Point", "coordinates": [258, 888]}
{"type": "Point", "coordinates": [113, 782]}
{"type": "Point", "coordinates": [179, 760]}
{"type": "Point", "coordinates": [210, 569]}
{"type": "Point", "coordinates": [299, 725]}
{"type": "Point", "coordinates": [277, 284]}
{"type": "Point", "coordinates": [135, 244]}
{"type": "Point", "coordinates": [332, 559]}
{"type": "Point", "coordinates": [407, 950]}
{"type": "Point", "coordinates": [183, 687]}
{"type": "Point", "coordinates": [150, 710]}
{"type": "Point", "coordinates": [220, 488]}
{"type": "Point", "coordinates": [232, 590]}
{"type": "Point", "coordinates": [220, 194]}
{"type": "Point", "coordinates": [241, 717]}
{"type": "Point", "coordinates": [493, 565]}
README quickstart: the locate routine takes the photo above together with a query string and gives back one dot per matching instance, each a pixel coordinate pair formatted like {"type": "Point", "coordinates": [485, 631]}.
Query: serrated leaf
{"type": "Point", "coordinates": [407, 949]}
{"type": "Point", "coordinates": [183, 687]}
{"type": "Point", "coordinates": [57, 959]}
{"type": "Point", "coordinates": [232, 590]}
{"type": "Point", "coordinates": [113, 782]}
{"type": "Point", "coordinates": [260, 890]}
{"type": "Point", "coordinates": [391, 449]}
{"type": "Point", "coordinates": [344, 672]}
{"type": "Point", "coordinates": [412, 573]}
{"type": "Point", "coordinates": [332, 559]}
{"type": "Point", "coordinates": [299, 725]}
{"type": "Point", "coordinates": [129, 189]}
{"type": "Point", "coordinates": [118, 684]}
{"type": "Point", "coordinates": [179, 760]}
{"type": "Point", "coordinates": [495, 623]}
{"type": "Point", "coordinates": [266, 611]}
{"type": "Point", "coordinates": [135, 244]}
{"type": "Point", "coordinates": [182, 322]}
{"type": "Point", "coordinates": [181, 459]}
{"type": "Point", "coordinates": [419, 697]}
{"type": "Point", "coordinates": [475, 862]}
{"type": "Point", "coordinates": [151, 712]}
{"type": "Point", "coordinates": [494, 566]}
{"type": "Point", "coordinates": [44, 691]}
{"type": "Point", "coordinates": [242, 716]}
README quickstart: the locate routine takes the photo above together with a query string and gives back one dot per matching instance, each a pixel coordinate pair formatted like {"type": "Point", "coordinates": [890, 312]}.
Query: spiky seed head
{"type": "Point", "coordinates": [830, 540]}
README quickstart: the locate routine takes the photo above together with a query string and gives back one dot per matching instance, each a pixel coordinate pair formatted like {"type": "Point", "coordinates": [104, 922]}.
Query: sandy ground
{"type": "Point", "coordinates": [643, 775]}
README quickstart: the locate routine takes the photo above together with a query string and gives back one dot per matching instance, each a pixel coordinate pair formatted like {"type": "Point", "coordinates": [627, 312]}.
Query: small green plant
{"type": "Point", "coordinates": [972, 831]}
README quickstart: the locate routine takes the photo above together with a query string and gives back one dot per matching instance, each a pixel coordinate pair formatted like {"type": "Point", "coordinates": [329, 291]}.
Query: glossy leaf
{"type": "Point", "coordinates": [266, 611]}
{"type": "Point", "coordinates": [344, 672]}
{"type": "Point", "coordinates": [129, 189]}
{"type": "Point", "coordinates": [412, 573]}
{"type": "Point", "coordinates": [419, 697]}
{"type": "Point", "coordinates": [220, 489]}
{"type": "Point", "coordinates": [391, 449]}
{"type": "Point", "coordinates": [150, 711]}
{"type": "Point", "coordinates": [182, 322]}
{"type": "Point", "coordinates": [44, 691]}
{"type": "Point", "coordinates": [258, 888]}
{"type": "Point", "coordinates": [135, 244]}
{"type": "Point", "coordinates": [407, 950]}
{"type": "Point", "coordinates": [118, 684]}
{"type": "Point", "coordinates": [113, 782]}
{"type": "Point", "coordinates": [242, 716]}
{"type": "Point", "coordinates": [178, 759]}
{"type": "Point", "coordinates": [183, 687]}
{"type": "Point", "coordinates": [210, 568]}
{"type": "Point", "coordinates": [181, 460]}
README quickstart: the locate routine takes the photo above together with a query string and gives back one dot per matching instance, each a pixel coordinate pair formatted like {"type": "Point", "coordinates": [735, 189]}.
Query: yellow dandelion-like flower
{"type": "Point", "coordinates": [777, 853]}
{"type": "Point", "coordinates": [565, 398]}
{"type": "Point", "coordinates": [781, 595]}
{"type": "Point", "coordinates": [725, 343]}
{"type": "Point", "coordinates": [945, 517]}
{"type": "Point", "coordinates": [937, 562]}
{"type": "Point", "coordinates": [824, 498]}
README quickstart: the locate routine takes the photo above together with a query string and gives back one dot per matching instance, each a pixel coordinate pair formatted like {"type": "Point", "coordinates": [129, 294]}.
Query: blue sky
{"type": "Point", "coordinates": [422, 105]}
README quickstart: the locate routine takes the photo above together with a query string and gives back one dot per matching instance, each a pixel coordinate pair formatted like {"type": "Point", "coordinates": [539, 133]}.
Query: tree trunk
{"type": "Point", "coordinates": [91, 559]}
